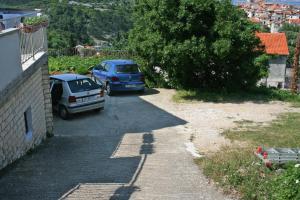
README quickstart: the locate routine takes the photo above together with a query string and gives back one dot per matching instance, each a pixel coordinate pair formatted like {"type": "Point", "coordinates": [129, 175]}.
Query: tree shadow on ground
{"type": "Point", "coordinates": [82, 151]}
{"type": "Point", "coordinates": [148, 91]}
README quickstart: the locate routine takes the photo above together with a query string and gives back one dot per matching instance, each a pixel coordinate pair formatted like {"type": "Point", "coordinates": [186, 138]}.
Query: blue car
{"type": "Point", "coordinates": [119, 75]}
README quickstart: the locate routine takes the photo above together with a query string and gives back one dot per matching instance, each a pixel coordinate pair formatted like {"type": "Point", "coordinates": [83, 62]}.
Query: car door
{"type": "Point", "coordinates": [56, 92]}
{"type": "Point", "coordinates": [105, 71]}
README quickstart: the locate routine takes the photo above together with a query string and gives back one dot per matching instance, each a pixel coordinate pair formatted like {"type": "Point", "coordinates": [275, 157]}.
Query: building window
{"type": "Point", "coordinates": [28, 123]}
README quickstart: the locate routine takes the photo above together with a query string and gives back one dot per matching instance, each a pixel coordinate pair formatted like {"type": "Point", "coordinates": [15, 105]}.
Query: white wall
{"type": "Point", "coordinates": [277, 71]}
{"type": "Point", "coordinates": [10, 57]}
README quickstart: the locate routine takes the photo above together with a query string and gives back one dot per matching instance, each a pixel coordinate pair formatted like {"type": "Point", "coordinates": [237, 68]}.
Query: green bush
{"type": "Point", "coordinates": [286, 185]}
{"type": "Point", "coordinates": [82, 70]}
{"type": "Point", "coordinates": [36, 20]}
{"type": "Point", "coordinates": [238, 169]}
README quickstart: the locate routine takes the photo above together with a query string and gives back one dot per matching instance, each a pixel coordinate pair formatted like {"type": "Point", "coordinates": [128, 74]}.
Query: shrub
{"type": "Point", "coordinates": [286, 185]}
{"type": "Point", "coordinates": [82, 70]}
{"type": "Point", "coordinates": [238, 169]}
{"type": "Point", "coordinates": [36, 20]}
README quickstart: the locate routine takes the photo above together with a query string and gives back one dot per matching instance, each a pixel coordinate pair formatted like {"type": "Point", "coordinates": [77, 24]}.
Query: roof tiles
{"type": "Point", "coordinates": [275, 43]}
{"type": "Point", "coordinates": [294, 21]}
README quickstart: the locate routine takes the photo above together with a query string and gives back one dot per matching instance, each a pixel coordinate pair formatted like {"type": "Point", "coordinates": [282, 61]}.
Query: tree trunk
{"type": "Point", "coordinates": [294, 86]}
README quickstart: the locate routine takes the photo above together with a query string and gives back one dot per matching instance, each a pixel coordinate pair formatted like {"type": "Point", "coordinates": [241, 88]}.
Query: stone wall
{"type": "Point", "coordinates": [25, 99]}
{"type": "Point", "coordinates": [47, 99]}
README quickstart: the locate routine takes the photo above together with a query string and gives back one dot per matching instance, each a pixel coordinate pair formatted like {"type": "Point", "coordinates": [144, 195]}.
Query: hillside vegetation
{"type": "Point", "coordinates": [80, 22]}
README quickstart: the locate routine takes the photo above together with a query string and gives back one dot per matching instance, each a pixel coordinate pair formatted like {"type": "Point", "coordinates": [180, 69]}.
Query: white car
{"type": "Point", "coordinates": [73, 93]}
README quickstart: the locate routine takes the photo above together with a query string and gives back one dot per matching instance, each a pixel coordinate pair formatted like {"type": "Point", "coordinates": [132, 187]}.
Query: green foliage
{"type": "Point", "coordinates": [72, 24]}
{"type": "Point", "coordinates": [35, 20]}
{"type": "Point", "coordinates": [291, 32]}
{"type": "Point", "coordinates": [68, 26]}
{"type": "Point", "coordinates": [77, 64]}
{"type": "Point", "coordinates": [59, 39]}
{"type": "Point", "coordinates": [24, 4]}
{"type": "Point", "coordinates": [78, 24]}
{"type": "Point", "coordinates": [82, 70]}
{"type": "Point", "coordinates": [197, 43]}
{"type": "Point", "coordinates": [287, 185]}
{"type": "Point", "coordinates": [236, 168]}
{"type": "Point", "coordinates": [72, 64]}
{"type": "Point", "coordinates": [108, 24]}
{"type": "Point", "coordinates": [262, 62]}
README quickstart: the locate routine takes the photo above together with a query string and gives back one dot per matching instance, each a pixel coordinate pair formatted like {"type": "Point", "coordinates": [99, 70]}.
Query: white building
{"type": "Point", "coordinates": [275, 45]}
{"type": "Point", "coordinates": [25, 103]}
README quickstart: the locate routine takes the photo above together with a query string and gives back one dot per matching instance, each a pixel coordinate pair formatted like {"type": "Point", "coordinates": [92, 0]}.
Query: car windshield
{"type": "Point", "coordinates": [127, 69]}
{"type": "Point", "coordinates": [82, 85]}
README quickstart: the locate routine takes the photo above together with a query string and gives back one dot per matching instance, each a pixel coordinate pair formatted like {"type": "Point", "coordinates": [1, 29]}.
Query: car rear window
{"type": "Point", "coordinates": [82, 85]}
{"type": "Point", "coordinates": [127, 69]}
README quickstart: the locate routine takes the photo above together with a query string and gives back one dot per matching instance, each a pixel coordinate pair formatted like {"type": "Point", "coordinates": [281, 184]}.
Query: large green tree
{"type": "Point", "coordinates": [196, 43]}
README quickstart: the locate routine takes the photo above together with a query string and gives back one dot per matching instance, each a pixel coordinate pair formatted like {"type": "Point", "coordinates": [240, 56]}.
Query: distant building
{"type": "Point", "coordinates": [294, 21]}
{"type": "Point", "coordinates": [11, 18]}
{"type": "Point", "coordinates": [276, 45]}
{"type": "Point", "coordinates": [271, 14]}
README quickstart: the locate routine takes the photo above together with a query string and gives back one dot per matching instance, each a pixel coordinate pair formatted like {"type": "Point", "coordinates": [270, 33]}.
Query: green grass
{"type": "Point", "coordinates": [283, 132]}
{"type": "Point", "coordinates": [259, 95]}
{"type": "Point", "coordinates": [238, 169]}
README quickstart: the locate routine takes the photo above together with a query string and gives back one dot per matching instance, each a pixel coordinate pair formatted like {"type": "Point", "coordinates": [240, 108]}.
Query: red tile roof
{"type": "Point", "coordinates": [294, 21]}
{"type": "Point", "coordinates": [275, 43]}
{"type": "Point", "coordinates": [255, 20]}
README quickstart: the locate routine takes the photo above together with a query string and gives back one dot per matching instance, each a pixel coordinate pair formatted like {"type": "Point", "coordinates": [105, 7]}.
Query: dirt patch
{"type": "Point", "coordinates": [207, 120]}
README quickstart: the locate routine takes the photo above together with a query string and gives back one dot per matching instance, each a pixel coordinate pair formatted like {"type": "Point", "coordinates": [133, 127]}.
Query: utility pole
{"type": "Point", "coordinates": [295, 70]}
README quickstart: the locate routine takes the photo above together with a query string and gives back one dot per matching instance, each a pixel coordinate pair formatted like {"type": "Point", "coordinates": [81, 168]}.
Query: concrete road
{"type": "Point", "coordinates": [131, 150]}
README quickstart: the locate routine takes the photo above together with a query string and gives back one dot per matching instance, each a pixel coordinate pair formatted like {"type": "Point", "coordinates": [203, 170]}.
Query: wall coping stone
{"type": "Point", "coordinates": [8, 31]}
{"type": "Point", "coordinates": [13, 86]}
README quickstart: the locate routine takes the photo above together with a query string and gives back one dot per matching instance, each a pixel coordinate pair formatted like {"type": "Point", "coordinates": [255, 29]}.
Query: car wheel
{"type": "Point", "coordinates": [63, 113]}
{"type": "Point", "coordinates": [108, 89]}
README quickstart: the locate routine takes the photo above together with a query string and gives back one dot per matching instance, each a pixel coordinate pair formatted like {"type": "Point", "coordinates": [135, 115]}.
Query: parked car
{"type": "Point", "coordinates": [73, 93]}
{"type": "Point", "coordinates": [119, 75]}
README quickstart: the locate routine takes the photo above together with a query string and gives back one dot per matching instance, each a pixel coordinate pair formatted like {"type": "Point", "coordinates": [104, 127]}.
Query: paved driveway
{"type": "Point", "coordinates": [131, 150]}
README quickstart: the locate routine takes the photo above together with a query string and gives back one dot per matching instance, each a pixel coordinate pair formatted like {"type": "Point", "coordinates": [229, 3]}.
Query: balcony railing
{"type": "Point", "coordinates": [31, 44]}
